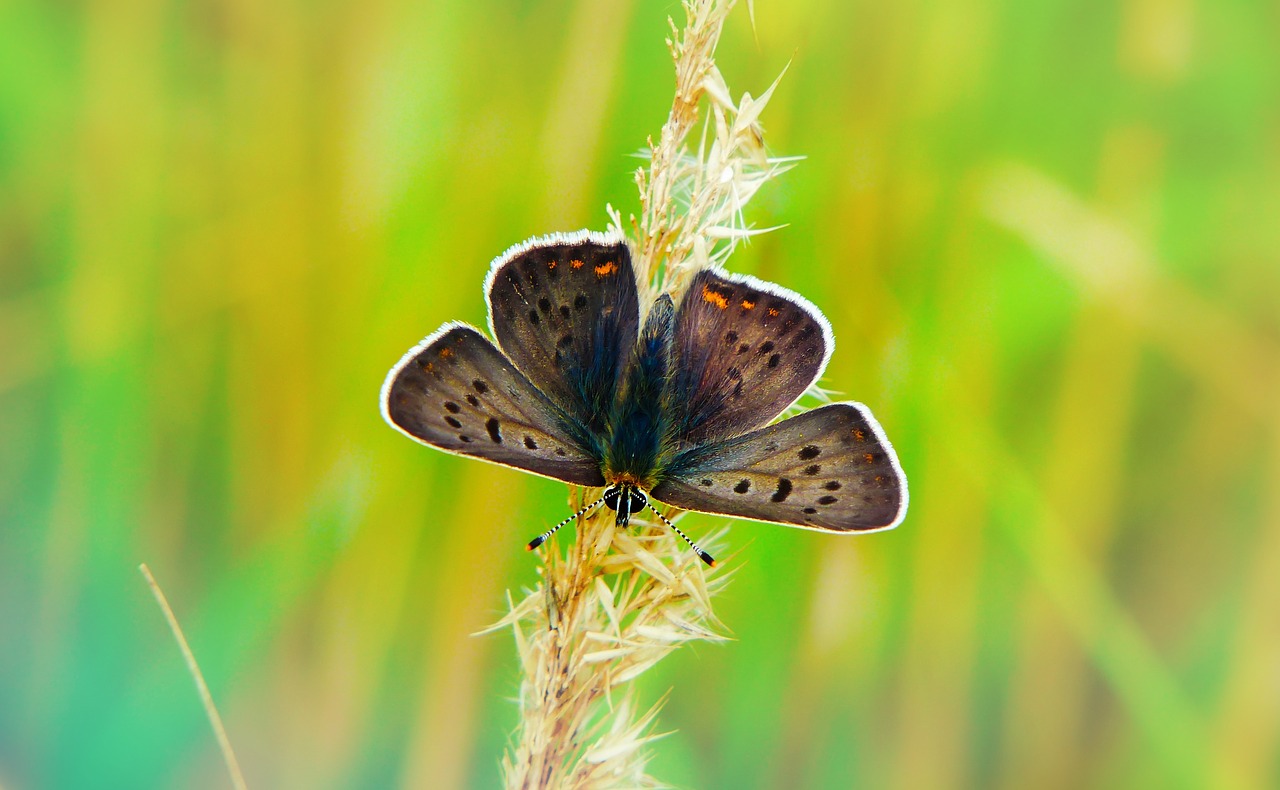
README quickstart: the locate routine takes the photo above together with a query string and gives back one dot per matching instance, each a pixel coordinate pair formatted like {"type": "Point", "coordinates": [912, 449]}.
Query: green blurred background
{"type": "Point", "coordinates": [1046, 234]}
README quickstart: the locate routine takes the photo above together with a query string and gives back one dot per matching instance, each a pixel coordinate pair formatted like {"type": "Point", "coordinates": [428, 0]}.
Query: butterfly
{"type": "Point", "coordinates": [677, 407]}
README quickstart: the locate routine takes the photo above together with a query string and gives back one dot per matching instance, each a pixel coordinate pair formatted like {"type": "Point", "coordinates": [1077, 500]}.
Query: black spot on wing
{"type": "Point", "coordinates": [495, 433]}
{"type": "Point", "coordinates": [784, 490]}
{"type": "Point", "coordinates": [809, 451]}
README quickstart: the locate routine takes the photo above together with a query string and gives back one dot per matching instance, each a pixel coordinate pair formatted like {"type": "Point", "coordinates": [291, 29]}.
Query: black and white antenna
{"type": "Point", "coordinates": [702, 555]}
{"type": "Point", "coordinates": [623, 493]}
{"type": "Point", "coordinates": [538, 541]}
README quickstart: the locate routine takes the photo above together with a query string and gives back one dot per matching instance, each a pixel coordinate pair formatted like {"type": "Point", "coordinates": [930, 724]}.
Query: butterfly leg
{"type": "Point", "coordinates": [538, 541]}
{"type": "Point", "coordinates": [705, 557]}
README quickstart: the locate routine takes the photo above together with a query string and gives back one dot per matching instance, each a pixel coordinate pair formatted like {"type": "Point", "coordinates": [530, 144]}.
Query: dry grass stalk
{"type": "Point", "coordinates": [202, 688]}
{"type": "Point", "coordinates": [608, 609]}
{"type": "Point", "coordinates": [616, 602]}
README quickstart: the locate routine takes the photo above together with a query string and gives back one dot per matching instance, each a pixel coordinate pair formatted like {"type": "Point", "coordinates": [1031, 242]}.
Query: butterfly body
{"type": "Point", "coordinates": [677, 407]}
{"type": "Point", "coordinates": [641, 431]}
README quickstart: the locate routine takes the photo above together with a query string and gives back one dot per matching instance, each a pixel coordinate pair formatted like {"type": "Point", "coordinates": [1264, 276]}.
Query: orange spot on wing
{"type": "Point", "coordinates": [577, 264]}
{"type": "Point", "coordinates": [747, 304]}
{"type": "Point", "coordinates": [713, 297]}
{"type": "Point", "coordinates": [869, 458]}
{"type": "Point", "coordinates": [551, 264]}
{"type": "Point", "coordinates": [605, 269]}
{"type": "Point", "coordinates": [445, 353]}
{"type": "Point", "coordinates": [773, 312]}
{"type": "Point", "coordinates": [859, 434]}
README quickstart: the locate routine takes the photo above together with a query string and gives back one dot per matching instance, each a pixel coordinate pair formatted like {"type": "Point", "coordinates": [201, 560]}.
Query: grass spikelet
{"type": "Point", "coordinates": [614, 603]}
{"type": "Point", "coordinates": [692, 201]}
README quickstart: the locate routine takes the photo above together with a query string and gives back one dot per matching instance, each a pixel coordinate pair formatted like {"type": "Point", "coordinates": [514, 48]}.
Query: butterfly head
{"type": "Point", "coordinates": [625, 498]}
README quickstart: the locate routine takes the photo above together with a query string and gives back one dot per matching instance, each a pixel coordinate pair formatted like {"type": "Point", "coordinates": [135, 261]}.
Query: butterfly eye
{"type": "Point", "coordinates": [612, 496]}
{"type": "Point", "coordinates": [638, 500]}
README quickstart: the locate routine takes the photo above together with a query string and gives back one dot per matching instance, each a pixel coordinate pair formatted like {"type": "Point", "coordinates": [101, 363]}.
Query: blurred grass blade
{"type": "Point", "coordinates": [202, 688]}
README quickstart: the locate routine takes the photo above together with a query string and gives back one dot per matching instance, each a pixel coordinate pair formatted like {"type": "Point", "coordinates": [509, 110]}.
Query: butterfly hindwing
{"type": "Point", "coordinates": [455, 391]}
{"type": "Point", "coordinates": [744, 351]}
{"type": "Point", "coordinates": [829, 469]}
{"type": "Point", "coordinates": [565, 311]}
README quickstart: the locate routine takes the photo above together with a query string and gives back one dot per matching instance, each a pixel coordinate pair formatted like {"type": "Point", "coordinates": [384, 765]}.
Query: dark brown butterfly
{"type": "Point", "coordinates": [676, 407]}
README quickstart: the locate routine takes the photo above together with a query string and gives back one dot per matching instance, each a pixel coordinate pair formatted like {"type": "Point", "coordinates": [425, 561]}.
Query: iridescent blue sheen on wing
{"type": "Point", "coordinates": [565, 311]}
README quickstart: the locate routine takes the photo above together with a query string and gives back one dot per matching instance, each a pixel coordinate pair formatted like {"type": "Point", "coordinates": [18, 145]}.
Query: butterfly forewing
{"type": "Point", "coordinates": [828, 469]}
{"type": "Point", "coordinates": [457, 392]}
{"type": "Point", "coordinates": [744, 351]}
{"type": "Point", "coordinates": [565, 311]}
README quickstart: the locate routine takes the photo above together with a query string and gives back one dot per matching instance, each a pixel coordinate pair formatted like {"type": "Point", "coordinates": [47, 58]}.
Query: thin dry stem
{"type": "Point", "coordinates": [618, 601]}
{"type": "Point", "coordinates": [202, 688]}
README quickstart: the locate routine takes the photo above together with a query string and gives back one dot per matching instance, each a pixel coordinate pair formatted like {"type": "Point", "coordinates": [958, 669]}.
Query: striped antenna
{"type": "Point", "coordinates": [538, 541]}
{"type": "Point", "coordinates": [705, 557]}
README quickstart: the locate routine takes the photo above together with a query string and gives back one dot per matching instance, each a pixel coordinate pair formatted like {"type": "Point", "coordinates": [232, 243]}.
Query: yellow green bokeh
{"type": "Point", "coordinates": [1047, 235]}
